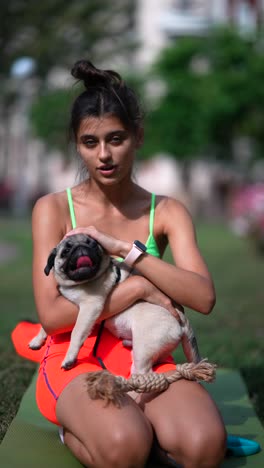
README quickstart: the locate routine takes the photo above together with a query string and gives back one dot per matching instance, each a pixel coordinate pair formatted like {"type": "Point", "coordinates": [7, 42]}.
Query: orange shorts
{"type": "Point", "coordinates": [52, 379]}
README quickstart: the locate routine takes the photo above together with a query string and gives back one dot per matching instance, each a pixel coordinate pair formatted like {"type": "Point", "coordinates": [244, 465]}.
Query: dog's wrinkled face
{"type": "Point", "coordinates": [76, 259]}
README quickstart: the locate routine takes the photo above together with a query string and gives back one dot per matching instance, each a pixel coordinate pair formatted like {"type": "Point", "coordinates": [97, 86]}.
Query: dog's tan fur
{"type": "Point", "coordinates": [150, 329]}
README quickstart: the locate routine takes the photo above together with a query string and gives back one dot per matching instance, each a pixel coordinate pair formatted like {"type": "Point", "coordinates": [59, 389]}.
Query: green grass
{"type": "Point", "coordinates": [232, 336]}
{"type": "Point", "coordinates": [16, 303]}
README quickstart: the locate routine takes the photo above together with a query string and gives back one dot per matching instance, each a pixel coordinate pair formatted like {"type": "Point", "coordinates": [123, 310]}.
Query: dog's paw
{"type": "Point", "coordinates": [127, 343]}
{"type": "Point", "coordinates": [67, 364]}
{"type": "Point", "coordinates": [36, 343]}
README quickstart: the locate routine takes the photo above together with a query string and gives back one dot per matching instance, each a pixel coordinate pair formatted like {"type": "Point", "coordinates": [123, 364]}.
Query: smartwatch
{"type": "Point", "coordinates": [137, 250]}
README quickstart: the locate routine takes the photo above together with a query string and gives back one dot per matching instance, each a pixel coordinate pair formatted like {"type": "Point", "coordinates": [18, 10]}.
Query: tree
{"type": "Point", "coordinates": [213, 95]}
{"type": "Point", "coordinates": [56, 34]}
{"type": "Point", "coordinates": [49, 119]}
{"type": "Point", "coordinates": [59, 32]}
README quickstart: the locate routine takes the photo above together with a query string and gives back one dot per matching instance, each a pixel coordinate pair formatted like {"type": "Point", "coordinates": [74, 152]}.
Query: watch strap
{"type": "Point", "coordinates": [137, 250]}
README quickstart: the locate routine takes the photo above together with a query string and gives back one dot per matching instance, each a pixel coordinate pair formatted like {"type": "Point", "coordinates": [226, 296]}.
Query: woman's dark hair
{"type": "Point", "coordinates": [106, 93]}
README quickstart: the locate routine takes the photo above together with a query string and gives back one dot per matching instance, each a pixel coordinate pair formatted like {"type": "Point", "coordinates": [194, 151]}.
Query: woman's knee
{"type": "Point", "coordinates": [208, 448]}
{"type": "Point", "coordinates": [103, 436]}
{"type": "Point", "coordinates": [122, 447]}
{"type": "Point", "coordinates": [129, 447]}
{"type": "Point", "coordinates": [204, 448]}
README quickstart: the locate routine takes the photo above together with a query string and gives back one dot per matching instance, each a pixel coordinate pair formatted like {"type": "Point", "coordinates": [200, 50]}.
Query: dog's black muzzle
{"type": "Point", "coordinates": [82, 259]}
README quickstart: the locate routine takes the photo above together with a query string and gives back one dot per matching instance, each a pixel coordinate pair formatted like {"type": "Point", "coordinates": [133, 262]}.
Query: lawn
{"type": "Point", "coordinates": [232, 336]}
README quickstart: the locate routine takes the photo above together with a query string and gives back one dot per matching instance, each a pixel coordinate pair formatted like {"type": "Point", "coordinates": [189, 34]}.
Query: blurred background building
{"type": "Point", "coordinates": [137, 34]}
{"type": "Point", "coordinates": [158, 21]}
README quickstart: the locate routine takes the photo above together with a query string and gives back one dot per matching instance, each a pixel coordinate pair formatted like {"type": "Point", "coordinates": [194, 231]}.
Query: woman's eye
{"type": "Point", "coordinates": [116, 140]}
{"type": "Point", "coordinates": [90, 143]}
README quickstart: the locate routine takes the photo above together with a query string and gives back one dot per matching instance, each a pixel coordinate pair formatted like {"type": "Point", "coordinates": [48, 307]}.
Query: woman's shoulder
{"type": "Point", "coordinates": [173, 215]}
{"type": "Point", "coordinates": [169, 206]}
{"type": "Point", "coordinates": [167, 209]}
{"type": "Point", "coordinates": [51, 202]}
{"type": "Point", "coordinates": [51, 213]}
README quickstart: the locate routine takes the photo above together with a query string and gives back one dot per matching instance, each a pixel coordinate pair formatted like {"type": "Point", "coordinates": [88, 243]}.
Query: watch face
{"type": "Point", "coordinates": [140, 245]}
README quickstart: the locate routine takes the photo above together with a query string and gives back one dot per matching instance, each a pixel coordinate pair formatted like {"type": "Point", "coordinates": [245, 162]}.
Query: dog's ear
{"type": "Point", "coordinates": [50, 262]}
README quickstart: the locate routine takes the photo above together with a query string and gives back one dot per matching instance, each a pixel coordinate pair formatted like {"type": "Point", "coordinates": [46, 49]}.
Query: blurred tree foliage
{"type": "Point", "coordinates": [56, 33]}
{"type": "Point", "coordinates": [59, 32]}
{"type": "Point", "coordinates": [213, 94]}
{"type": "Point", "coordinates": [50, 117]}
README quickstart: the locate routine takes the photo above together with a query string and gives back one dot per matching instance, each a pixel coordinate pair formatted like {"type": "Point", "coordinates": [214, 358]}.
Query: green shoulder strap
{"type": "Point", "coordinates": [71, 208]}
{"type": "Point", "coordinates": [152, 214]}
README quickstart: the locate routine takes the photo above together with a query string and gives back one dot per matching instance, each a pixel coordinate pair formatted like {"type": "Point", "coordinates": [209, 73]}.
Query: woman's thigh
{"type": "Point", "coordinates": [187, 423]}
{"type": "Point", "coordinates": [101, 435]}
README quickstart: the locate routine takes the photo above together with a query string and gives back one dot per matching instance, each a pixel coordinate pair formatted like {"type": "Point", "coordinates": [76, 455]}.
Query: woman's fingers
{"type": "Point", "coordinates": [112, 245]}
{"type": "Point", "coordinates": [153, 295]}
{"type": "Point", "coordinates": [89, 230]}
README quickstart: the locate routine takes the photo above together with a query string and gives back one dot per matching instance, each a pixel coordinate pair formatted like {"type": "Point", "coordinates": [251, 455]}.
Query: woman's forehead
{"type": "Point", "coordinates": [97, 125]}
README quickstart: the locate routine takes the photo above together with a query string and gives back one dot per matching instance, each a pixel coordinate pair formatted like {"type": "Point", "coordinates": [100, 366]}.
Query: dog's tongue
{"type": "Point", "coordinates": [84, 261]}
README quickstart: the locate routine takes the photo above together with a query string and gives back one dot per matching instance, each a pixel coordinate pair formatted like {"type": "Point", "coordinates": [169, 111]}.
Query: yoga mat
{"type": "Point", "coordinates": [31, 441]}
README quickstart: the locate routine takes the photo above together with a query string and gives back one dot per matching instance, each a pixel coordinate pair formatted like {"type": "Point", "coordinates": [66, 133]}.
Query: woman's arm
{"type": "Point", "coordinates": [57, 314]}
{"type": "Point", "coordinates": [47, 231]}
{"type": "Point", "coordinates": [188, 282]}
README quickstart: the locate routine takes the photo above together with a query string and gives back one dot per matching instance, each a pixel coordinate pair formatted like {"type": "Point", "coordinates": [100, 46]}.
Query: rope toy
{"type": "Point", "coordinates": [111, 388]}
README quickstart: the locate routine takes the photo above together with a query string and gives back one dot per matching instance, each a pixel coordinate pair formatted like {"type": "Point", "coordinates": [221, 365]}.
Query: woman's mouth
{"type": "Point", "coordinates": [107, 169]}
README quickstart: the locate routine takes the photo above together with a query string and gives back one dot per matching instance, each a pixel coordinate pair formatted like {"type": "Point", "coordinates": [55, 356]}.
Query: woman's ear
{"type": "Point", "coordinates": [140, 137]}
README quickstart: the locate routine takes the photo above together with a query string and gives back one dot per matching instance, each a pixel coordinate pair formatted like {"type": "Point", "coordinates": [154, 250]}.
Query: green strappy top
{"type": "Point", "coordinates": [151, 244]}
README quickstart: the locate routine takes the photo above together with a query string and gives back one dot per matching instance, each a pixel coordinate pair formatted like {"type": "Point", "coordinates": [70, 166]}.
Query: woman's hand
{"type": "Point", "coordinates": [112, 245]}
{"type": "Point", "coordinates": [153, 295]}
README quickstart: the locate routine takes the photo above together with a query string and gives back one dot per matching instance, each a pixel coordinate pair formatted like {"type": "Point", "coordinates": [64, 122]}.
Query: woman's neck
{"type": "Point", "coordinates": [116, 195]}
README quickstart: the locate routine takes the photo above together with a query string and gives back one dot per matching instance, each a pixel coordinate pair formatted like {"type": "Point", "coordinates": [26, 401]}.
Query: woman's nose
{"type": "Point", "coordinates": [105, 152]}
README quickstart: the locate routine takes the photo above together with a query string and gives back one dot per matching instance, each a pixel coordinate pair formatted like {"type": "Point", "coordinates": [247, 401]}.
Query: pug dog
{"type": "Point", "coordinates": [86, 274]}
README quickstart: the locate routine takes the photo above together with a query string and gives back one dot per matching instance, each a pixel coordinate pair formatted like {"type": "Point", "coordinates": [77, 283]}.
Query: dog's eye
{"type": "Point", "coordinates": [66, 249]}
{"type": "Point", "coordinates": [64, 252]}
{"type": "Point", "coordinates": [91, 242]}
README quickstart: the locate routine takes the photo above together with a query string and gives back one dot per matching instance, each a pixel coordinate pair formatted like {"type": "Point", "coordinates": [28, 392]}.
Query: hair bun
{"type": "Point", "coordinates": [92, 77]}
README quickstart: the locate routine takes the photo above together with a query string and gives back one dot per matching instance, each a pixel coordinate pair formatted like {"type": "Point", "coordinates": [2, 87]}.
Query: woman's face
{"type": "Point", "coordinates": [107, 148]}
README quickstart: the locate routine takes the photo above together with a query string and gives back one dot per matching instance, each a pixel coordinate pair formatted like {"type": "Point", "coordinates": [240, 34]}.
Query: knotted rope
{"type": "Point", "coordinates": [106, 386]}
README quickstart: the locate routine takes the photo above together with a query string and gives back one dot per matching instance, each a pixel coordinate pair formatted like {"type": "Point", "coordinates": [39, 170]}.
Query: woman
{"type": "Point", "coordinates": [183, 422]}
